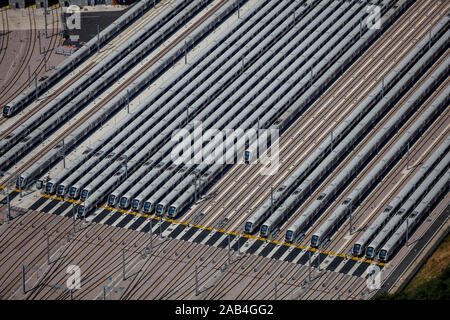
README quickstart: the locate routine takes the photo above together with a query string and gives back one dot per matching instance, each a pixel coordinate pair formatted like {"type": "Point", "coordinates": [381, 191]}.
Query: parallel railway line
{"type": "Point", "coordinates": [111, 95]}
{"type": "Point", "coordinates": [393, 175]}
{"type": "Point", "coordinates": [5, 34]}
{"type": "Point", "coordinates": [250, 174]}
{"type": "Point", "coordinates": [167, 271]}
{"type": "Point", "coordinates": [9, 91]}
{"type": "Point", "coordinates": [71, 78]}
{"type": "Point", "coordinates": [357, 148]}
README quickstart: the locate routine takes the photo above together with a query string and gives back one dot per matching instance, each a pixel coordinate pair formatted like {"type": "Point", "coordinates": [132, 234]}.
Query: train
{"type": "Point", "coordinates": [22, 100]}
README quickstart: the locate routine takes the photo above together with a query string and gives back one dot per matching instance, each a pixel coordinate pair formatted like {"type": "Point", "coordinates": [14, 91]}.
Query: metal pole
{"type": "Point", "coordinates": [196, 280]}
{"type": "Point", "coordinates": [331, 140]}
{"type": "Point", "coordinates": [229, 250]}
{"type": "Point", "coordinates": [318, 259]}
{"type": "Point", "coordinates": [64, 154]}
{"type": "Point", "coordinates": [239, 9]}
{"type": "Point", "coordinates": [48, 250]}
{"type": "Point", "coordinates": [39, 38]}
{"type": "Point", "coordinates": [271, 199]}
{"type": "Point", "coordinates": [151, 236]}
{"type": "Point", "coordinates": [239, 246]}
{"type": "Point", "coordinates": [70, 293]}
{"type": "Point", "coordinates": [62, 17]}
{"type": "Point", "coordinates": [123, 265]}
{"type": "Point", "coordinates": [128, 101]}
{"type": "Point", "coordinates": [35, 85]}
{"type": "Point", "coordinates": [351, 221]}
{"type": "Point", "coordinates": [360, 27]}
{"type": "Point", "coordinates": [309, 266]}
{"type": "Point", "coordinates": [73, 218]}
{"type": "Point", "coordinates": [276, 293]}
{"type": "Point", "coordinates": [98, 37]}
{"type": "Point", "coordinates": [407, 227]}
{"type": "Point", "coordinates": [9, 204]}
{"type": "Point", "coordinates": [407, 159]}
{"type": "Point", "coordinates": [429, 39]}
{"type": "Point", "coordinates": [23, 280]}
{"type": "Point", "coordinates": [160, 232]}
{"type": "Point", "coordinates": [45, 19]}
{"type": "Point", "coordinates": [104, 293]}
{"type": "Point", "coordinates": [20, 187]}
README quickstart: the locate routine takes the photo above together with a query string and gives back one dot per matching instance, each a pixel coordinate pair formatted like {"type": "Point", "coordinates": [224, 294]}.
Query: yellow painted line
{"type": "Point", "coordinates": [219, 230]}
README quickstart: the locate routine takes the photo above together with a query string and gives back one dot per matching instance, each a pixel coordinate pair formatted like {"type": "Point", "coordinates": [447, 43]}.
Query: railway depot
{"type": "Point", "coordinates": [334, 189]}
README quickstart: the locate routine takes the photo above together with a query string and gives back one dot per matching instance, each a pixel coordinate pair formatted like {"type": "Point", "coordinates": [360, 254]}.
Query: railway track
{"type": "Point", "coordinates": [84, 68]}
{"type": "Point", "coordinates": [182, 257]}
{"type": "Point", "coordinates": [65, 132]}
{"type": "Point", "coordinates": [354, 152]}
{"type": "Point", "coordinates": [9, 91]}
{"type": "Point", "coordinates": [39, 68]}
{"type": "Point", "coordinates": [19, 251]}
{"type": "Point", "coordinates": [396, 176]}
{"type": "Point", "coordinates": [294, 137]}
{"type": "Point", "coordinates": [386, 184]}
{"type": "Point", "coordinates": [108, 263]}
{"type": "Point", "coordinates": [5, 34]}
{"type": "Point", "coordinates": [241, 179]}
{"type": "Point", "coordinates": [322, 285]}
